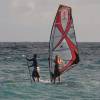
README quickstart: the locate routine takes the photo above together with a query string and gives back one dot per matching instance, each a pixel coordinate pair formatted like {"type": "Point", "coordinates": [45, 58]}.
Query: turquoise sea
{"type": "Point", "coordinates": [80, 83]}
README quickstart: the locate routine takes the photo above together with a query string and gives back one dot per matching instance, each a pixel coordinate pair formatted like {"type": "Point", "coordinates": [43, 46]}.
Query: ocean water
{"type": "Point", "coordinates": [80, 83]}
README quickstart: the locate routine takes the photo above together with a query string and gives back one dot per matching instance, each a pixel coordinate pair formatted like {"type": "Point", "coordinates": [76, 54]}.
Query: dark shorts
{"type": "Point", "coordinates": [56, 71]}
{"type": "Point", "coordinates": [35, 74]}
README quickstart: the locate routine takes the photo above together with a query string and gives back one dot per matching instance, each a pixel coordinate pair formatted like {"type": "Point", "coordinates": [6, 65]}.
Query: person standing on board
{"type": "Point", "coordinates": [35, 73]}
{"type": "Point", "coordinates": [57, 62]}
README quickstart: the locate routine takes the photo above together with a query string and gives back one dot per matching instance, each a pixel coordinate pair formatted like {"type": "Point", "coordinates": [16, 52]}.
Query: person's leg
{"type": "Point", "coordinates": [38, 79]}
{"type": "Point", "coordinates": [59, 79]}
{"type": "Point", "coordinates": [33, 76]}
{"type": "Point", "coordinates": [37, 75]}
{"type": "Point", "coordinates": [54, 80]}
{"type": "Point", "coordinates": [33, 79]}
{"type": "Point", "coordinates": [51, 77]}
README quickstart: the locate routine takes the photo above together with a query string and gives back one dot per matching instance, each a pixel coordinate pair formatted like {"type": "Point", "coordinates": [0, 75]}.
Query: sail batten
{"type": "Point", "coordinates": [63, 40]}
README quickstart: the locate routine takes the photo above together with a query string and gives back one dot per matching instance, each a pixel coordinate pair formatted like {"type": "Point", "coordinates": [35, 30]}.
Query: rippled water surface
{"type": "Point", "coordinates": [80, 83]}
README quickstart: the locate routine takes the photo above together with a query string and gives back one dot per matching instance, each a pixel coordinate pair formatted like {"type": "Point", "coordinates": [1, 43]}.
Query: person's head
{"type": "Point", "coordinates": [35, 55]}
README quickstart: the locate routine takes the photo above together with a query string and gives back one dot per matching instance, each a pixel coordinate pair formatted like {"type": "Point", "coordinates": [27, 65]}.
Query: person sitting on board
{"type": "Point", "coordinates": [35, 73]}
{"type": "Point", "coordinates": [57, 62]}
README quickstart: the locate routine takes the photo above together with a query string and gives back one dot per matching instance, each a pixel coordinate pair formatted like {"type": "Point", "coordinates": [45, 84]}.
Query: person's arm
{"type": "Point", "coordinates": [29, 59]}
{"type": "Point", "coordinates": [27, 62]}
{"type": "Point", "coordinates": [61, 61]}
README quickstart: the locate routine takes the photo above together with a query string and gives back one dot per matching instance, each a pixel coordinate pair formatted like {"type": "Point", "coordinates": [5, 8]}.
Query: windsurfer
{"type": "Point", "coordinates": [57, 62]}
{"type": "Point", "coordinates": [35, 73]}
{"type": "Point", "coordinates": [62, 42]}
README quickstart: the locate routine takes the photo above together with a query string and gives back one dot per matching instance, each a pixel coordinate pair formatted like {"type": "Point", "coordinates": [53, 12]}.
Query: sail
{"type": "Point", "coordinates": [63, 40]}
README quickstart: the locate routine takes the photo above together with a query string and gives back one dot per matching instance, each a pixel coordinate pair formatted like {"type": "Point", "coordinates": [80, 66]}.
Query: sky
{"type": "Point", "coordinates": [31, 20]}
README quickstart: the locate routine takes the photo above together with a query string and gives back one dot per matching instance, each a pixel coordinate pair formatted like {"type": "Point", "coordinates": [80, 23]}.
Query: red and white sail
{"type": "Point", "coordinates": [63, 40]}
